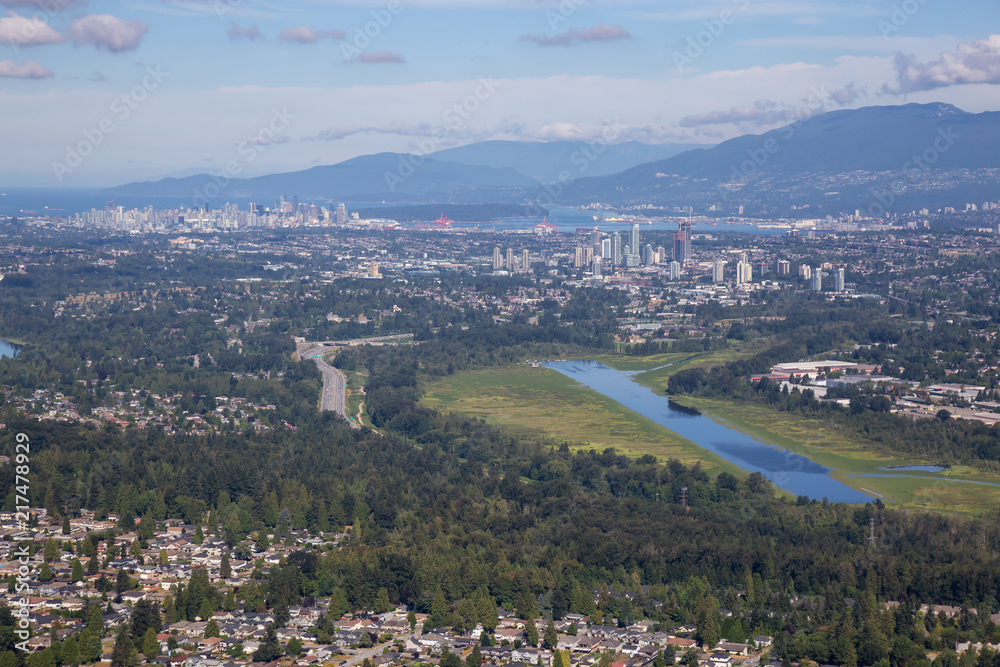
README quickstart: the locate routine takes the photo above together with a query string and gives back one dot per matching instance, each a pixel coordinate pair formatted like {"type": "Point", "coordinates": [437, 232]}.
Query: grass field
{"type": "Point", "coordinates": [538, 401]}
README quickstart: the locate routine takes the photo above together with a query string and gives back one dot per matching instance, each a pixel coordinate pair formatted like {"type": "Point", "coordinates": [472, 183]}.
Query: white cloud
{"type": "Point", "coordinates": [24, 31]}
{"type": "Point", "coordinates": [305, 34]}
{"type": "Point", "coordinates": [974, 62]}
{"type": "Point", "coordinates": [599, 33]}
{"type": "Point", "coordinates": [27, 69]}
{"type": "Point", "coordinates": [107, 32]}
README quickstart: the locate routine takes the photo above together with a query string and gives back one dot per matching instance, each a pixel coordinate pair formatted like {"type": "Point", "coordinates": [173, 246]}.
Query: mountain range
{"type": "Point", "coordinates": [897, 157]}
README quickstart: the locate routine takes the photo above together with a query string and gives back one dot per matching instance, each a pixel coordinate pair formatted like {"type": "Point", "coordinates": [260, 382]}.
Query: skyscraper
{"type": "Point", "coordinates": [510, 259]}
{"type": "Point", "coordinates": [647, 255]}
{"type": "Point", "coordinates": [578, 257]}
{"type": "Point", "coordinates": [674, 271]}
{"type": "Point", "coordinates": [838, 280]}
{"type": "Point", "coordinates": [597, 267]}
{"type": "Point", "coordinates": [744, 271]}
{"type": "Point", "coordinates": [497, 259]}
{"type": "Point", "coordinates": [595, 239]}
{"type": "Point", "coordinates": [682, 243]}
{"type": "Point", "coordinates": [719, 271]}
{"type": "Point", "coordinates": [616, 249]}
{"type": "Point", "coordinates": [525, 264]}
{"type": "Point", "coordinates": [633, 240]}
{"type": "Point", "coordinates": [341, 214]}
{"type": "Point", "coordinates": [606, 250]}
{"type": "Point", "coordinates": [817, 281]}
{"type": "Point", "coordinates": [784, 267]}
{"type": "Point", "coordinates": [805, 271]}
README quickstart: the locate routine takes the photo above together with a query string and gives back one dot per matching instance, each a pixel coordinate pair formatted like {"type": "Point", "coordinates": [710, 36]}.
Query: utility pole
{"type": "Point", "coordinates": [684, 497]}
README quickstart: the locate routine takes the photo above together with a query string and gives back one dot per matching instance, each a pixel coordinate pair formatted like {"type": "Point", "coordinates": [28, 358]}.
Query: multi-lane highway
{"type": "Point", "coordinates": [334, 396]}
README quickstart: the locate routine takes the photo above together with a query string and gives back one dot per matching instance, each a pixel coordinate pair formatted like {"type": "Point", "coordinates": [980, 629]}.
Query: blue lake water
{"type": "Point", "coordinates": [9, 349]}
{"type": "Point", "coordinates": [787, 470]}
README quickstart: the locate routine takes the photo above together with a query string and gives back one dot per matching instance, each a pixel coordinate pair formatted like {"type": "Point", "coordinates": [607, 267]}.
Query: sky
{"type": "Point", "coordinates": [97, 93]}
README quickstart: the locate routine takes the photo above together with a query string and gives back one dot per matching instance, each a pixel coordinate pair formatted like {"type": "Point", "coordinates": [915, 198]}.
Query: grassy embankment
{"type": "Point", "coordinates": [539, 401]}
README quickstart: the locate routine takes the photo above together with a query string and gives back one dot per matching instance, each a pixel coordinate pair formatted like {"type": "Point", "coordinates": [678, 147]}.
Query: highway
{"type": "Point", "coordinates": [334, 396]}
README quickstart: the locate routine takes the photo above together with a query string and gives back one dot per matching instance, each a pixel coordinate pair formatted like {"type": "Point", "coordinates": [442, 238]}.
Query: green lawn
{"type": "Point", "coordinates": [538, 401]}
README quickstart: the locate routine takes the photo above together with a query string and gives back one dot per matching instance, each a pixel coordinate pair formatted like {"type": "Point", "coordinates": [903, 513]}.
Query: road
{"type": "Point", "coordinates": [334, 396]}
{"type": "Point", "coordinates": [359, 655]}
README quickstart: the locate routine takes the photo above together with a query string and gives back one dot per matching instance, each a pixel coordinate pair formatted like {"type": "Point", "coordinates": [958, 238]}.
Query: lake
{"type": "Point", "coordinates": [787, 470]}
{"type": "Point", "coordinates": [8, 349]}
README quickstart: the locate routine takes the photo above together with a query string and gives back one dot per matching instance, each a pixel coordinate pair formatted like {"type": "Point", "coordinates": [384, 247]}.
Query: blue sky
{"type": "Point", "coordinates": [100, 92]}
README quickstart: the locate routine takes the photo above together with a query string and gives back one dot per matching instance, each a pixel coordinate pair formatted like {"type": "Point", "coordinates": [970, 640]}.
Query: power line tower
{"type": "Point", "coordinates": [871, 532]}
{"type": "Point", "coordinates": [684, 497]}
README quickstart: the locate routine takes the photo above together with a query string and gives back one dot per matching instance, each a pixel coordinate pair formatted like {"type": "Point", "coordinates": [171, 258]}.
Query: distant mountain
{"type": "Point", "coordinates": [545, 160]}
{"type": "Point", "coordinates": [835, 161]}
{"type": "Point", "coordinates": [384, 176]}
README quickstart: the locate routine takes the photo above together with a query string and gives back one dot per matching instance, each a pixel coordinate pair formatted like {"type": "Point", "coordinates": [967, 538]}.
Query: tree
{"type": "Point", "coordinates": [45, 574]}
{"type": "Point", "coordinates": [338, 605]}
{"type": "Point", "coordinates": [475, 658]}
{"type": "Point", "coordinates": [145, 616]}
{"type": "Point", "coordinates": [199, 535]}
{"type": "Point", "coordinates": [281, 615]}
{"type": "Point", "coordinates": [66, 529]}
{"type": "Point", "coordinates": [558, 660]}
{"type": "Point", "coordinates": [122, 581]}
{"type": "Point", "coordinates": [411, 618]}
{"type": "Point", "coordinates": [269, 649]}
{"type": "Point", "coordinates": [147, 527]}
{"type": "Point", "coordinates": [551, 638]}
{"type": "Point", "coordinates": [121, 654]}
{"type": "Point", "coordinates": [150, 645]}
{"type": "Point", "coordinates": [212, 629]}
{"type": "Point", "coordinates": [51, 550]}
{"type": "Point", "coordinates": [77, 574]}
{"type": "Point", "coordinates": [293, 647]}
{"type": "Point", "coordinates": [225, 569]}
{"type": "Point", "coordinates": [382, 603]}
{"type": "Point", "coordinates": [439, 610]}
{"type": "Point", "coordinates": [70, 653]}
{"type": "Point", "coordinates": [532, 631]}
{"type": "Point", "coordinates": [943, 415]}
{"type": "Point", "coordinates": [93, 566]}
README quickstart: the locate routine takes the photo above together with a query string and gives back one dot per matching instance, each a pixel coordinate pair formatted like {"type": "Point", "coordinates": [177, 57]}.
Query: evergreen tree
{"type": "Point", "coordinates": [269, 649]}
{"type": "Point", "coordinates": [121, 654]}
{"type": "Point", "coordinates": [93, 566]}
{"type": "Point", "coordinates": [551, 638]}
{"type": "Point", "coordinates": [212, 629]}
{"type": "Point", "coordinates": [338, 605]}
{"type": "Point", "coordinates": [66, 529]}
{"type": "Point", "coordinates": [293, 647]}
{"type": "Point", "coordinates": [199, 535]}
{"type": "Point", "coordinates": [150, 645]}
{"type": "Point", "coordinates": [70, 652]}
{"type": "Point", "coordinates": [532, 632]}
{"type": "Point", "coordinates": [382, 603]}
{"type": "Point", "coordinates": [225, 569]}
{"type": "Point", "coordinates": [147, 527]}
{"type": "Point", "coordinates": [475, 658]}
{"type": "Point", "coordinates": [439, 611]}
{"type": "Point", "coordinates": [77, 574]}
{"type": "Point", "coordinates": [45, 573]}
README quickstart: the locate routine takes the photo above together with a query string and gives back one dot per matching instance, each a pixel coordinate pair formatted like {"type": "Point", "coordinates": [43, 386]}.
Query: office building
{"type": "Point", "coordinates": [595, 239]}
{"type": "Point", "coordinates": [596, 270]}
{"type": "Point", "coordinates": [784, 267]}
{"type": "Point", "coordinates": [341, 214]}
{"type": "Point", "coordinates": [744, 271]}
{"type": "Point", "coordinates": [719, 271]}
{"type": "Point", "coordinates": [682, 243]}
{"type": "Point", "coordinates": [647, 255]}
{"type": "Point", "coordinates": [616, 249]}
